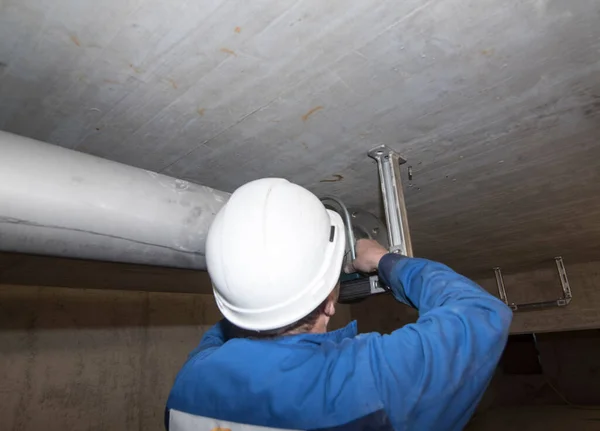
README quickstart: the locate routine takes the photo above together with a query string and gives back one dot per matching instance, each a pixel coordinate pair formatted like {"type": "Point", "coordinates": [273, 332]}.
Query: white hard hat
{"type": "Point", "coordinates": [274, 253]}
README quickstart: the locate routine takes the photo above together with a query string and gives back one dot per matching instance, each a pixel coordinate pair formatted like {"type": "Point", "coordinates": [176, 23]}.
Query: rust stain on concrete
{"type": "Point", "coordinates": [334, 179]}
{"type": "Point", "coordinates": [75, 40]}
{"type": "Point", "coordinates": [172, 82]}
{"type": "Point", "coordinates": [228, 51]}
{"type": "Point", "coordinates": [312, 111]}
{"type": "Point", "coordinates": [200, 111]}
{"type": "Point", "coordinates": [238, 30]}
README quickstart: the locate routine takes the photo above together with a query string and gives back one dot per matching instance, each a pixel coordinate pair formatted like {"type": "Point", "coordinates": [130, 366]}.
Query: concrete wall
{"type": "Point", "coordinates": [570, 363]}
{"type": "Point", "coordinates": [384, 314]}
{"type": "Point", "coordinates": [83, 359]}
{"type": "Point", "coordinates": [542, 284]}
{"type": "Point", "coordinates": [105, 359]}
{"type": "Point", "coordinates": [544, 418]}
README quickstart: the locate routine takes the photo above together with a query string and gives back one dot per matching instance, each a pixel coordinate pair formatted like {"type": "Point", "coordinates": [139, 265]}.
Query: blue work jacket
{"type": "Point", "coordinates": [429, 375]}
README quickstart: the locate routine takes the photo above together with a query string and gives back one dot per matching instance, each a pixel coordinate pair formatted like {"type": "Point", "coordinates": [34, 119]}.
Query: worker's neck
{"type": "Point", "coordinates": [320, 326]}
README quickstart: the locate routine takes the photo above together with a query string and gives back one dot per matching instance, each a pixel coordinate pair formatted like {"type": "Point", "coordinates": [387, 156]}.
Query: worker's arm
{"type": "Point", "coordinates": [214, 337]}
{"type": "Point", "coordinates": [435, 371]}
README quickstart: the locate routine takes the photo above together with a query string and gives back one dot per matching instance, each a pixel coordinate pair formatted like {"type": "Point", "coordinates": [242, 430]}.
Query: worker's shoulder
{"type": "Point", "coordinates": [307, 351]}
{"type": "Point", "coordinates": [292, 351]}
{"type": "Point", "coordinates": [251, 360]}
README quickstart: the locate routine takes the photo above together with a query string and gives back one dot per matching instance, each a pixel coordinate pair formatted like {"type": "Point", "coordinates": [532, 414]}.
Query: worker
{"type": "Point", "coordinates": [274, 254]}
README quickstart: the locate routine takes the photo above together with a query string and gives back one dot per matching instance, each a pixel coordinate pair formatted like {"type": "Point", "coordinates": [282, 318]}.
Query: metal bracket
{"type": "Point", "coordinates": [348, 224]}
{"type": "Point", "coordinates": [367, 225]}
{"type": "Point", "coordinates": [564, 300]}
{"type": "Point", "coordinates": [388, 164]}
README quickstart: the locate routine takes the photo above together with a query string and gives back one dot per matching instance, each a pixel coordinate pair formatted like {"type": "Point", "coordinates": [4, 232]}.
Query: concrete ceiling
{"type": "Point", "coordinates": [496, 105]}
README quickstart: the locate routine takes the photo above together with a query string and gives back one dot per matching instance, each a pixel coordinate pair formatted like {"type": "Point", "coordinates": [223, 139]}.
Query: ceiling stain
{"type": "Point", "coordinates": [312, 111]}
{"type": "Point", "coordinates": [172, 82]}
{"type": "Point", "coordinates": [75, 40]}
{"type": "Point", "coordinates": [488, 52]}
{"type": "Point", "coordinates": [200, 111]}
{"type": "Point", "coordinates": [334, 179]}
{"type": "Point", "coordinates": [228, 51]}
{"type": "Point", "coordinates": [593, 107]}
{"type": "Point", "coordinates": [238, 30]}
{"type": "Point", "coordinates": [135, 69]}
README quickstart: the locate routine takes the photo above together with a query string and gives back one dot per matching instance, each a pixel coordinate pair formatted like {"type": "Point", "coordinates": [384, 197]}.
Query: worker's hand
{"type": "Point", "coordinates": [368, 254]}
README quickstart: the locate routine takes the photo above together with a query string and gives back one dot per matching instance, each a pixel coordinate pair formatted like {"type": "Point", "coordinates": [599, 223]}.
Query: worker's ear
{"type": "Point", "coordinates": [330, 307]}
{"type": "Point", "coordinates": [331, 300]}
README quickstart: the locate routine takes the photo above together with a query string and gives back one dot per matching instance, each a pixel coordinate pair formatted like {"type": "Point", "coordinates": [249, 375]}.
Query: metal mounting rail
{"type": "Point", "coordinates": [564, 300]}
{"type": "Point", "coordinates": [388, 164]}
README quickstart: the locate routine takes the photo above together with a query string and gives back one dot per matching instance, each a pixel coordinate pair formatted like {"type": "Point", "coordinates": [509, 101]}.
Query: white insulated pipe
{"type": "Point", "coordinates": [60, 202]}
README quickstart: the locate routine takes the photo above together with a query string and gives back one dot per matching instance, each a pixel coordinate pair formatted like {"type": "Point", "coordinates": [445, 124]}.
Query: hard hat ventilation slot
{"type": "Point", "coordinates": [332, 234]}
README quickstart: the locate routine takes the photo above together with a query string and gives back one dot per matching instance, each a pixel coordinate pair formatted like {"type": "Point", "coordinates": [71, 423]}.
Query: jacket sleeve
{"type": "Point", "coordinates": [214, 337]}
{"type": "Point", "coordinates": [435, 371]}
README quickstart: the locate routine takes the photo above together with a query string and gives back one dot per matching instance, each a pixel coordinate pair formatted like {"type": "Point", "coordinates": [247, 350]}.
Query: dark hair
{"type": "Point", "coordinates": [303, 325]}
